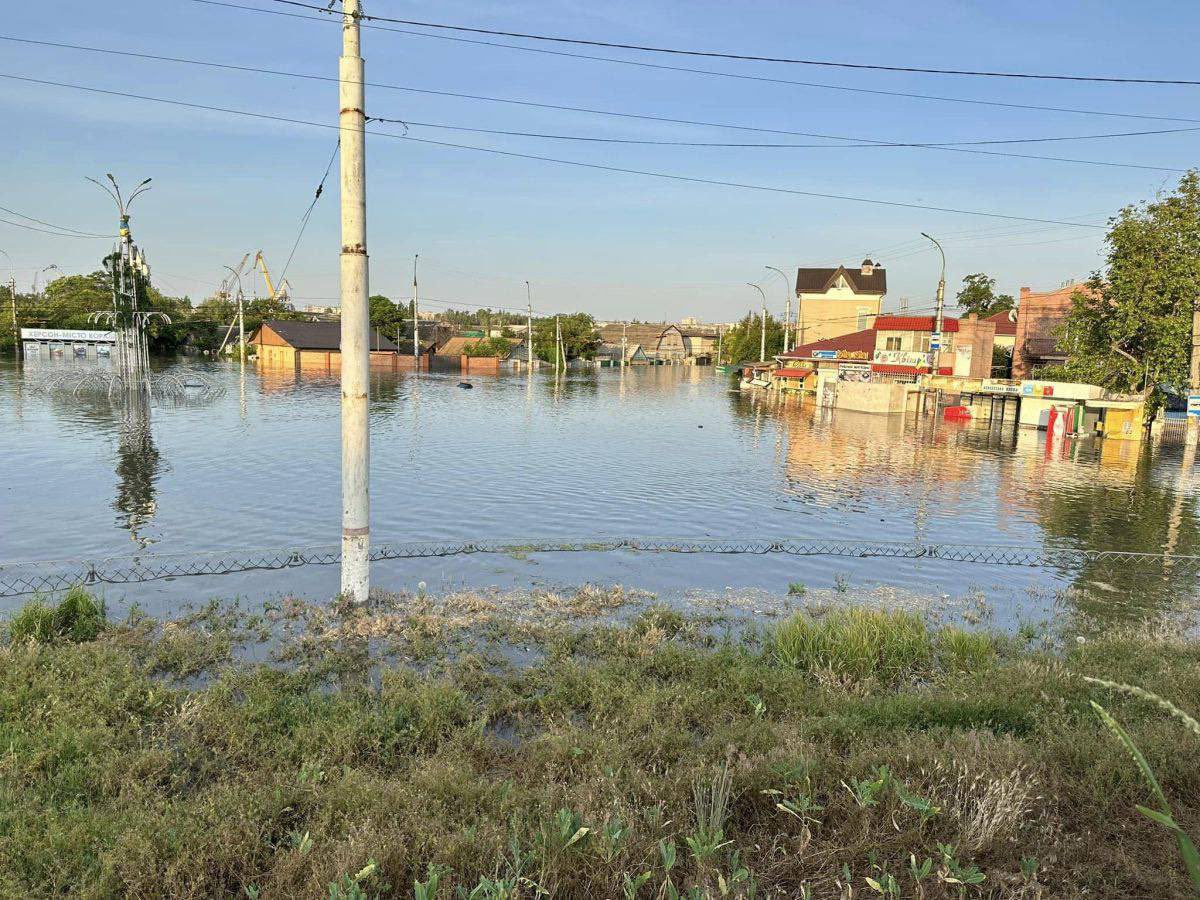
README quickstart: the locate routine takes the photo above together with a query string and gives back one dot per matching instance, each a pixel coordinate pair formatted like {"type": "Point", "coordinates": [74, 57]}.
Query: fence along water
{"type": "Point", "coordinates": [47, 576]}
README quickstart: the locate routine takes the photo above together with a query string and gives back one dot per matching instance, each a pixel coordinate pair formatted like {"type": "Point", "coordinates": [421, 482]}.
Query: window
{"type": "Point", "coordinates": [923, 344]}
{"type": "Point", "coordinates": [864, 318]}
{"type": "Point", "coordinates": [893, 343]}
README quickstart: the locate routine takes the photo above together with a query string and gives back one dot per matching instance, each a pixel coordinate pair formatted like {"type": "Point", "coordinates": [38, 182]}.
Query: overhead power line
{"type": "Point", "coordinates": [689, 179]}
{"type": "Point", "coordinates": [308, 212]}
{"type": "Point", "coordinates": [952, 146]}
{"type": "Point", "coordinates": [849, 142]}
{"type": "Point", "coordinates": [68, 232]}
{"type": "Point", "coordinates": [713, 54]}
{"type": "Point", "coordinates": [707, 72]}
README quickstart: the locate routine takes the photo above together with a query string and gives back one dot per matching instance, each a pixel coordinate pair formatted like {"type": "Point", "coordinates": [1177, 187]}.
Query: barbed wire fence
{"type": "Point", "coordinates": [49, 576]}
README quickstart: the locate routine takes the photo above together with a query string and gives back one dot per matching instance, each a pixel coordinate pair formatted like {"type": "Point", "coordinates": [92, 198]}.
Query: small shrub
{"type": "Point", "coordinates": [857, 643]}
{"type": "Point", "coordinates": [76, 618]}
{"type": "Point", "coordinates": [797, 589]}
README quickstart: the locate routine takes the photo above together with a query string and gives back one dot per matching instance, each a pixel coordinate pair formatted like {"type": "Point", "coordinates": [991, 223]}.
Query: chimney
{"type": "Point", "coordinates": [868, 267]}
{"type": "Point", "coordinates": [1025, 292]}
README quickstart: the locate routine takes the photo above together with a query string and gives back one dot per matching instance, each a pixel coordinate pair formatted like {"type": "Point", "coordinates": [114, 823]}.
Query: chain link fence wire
{"type": "Point", "coordinates": [17, 579]}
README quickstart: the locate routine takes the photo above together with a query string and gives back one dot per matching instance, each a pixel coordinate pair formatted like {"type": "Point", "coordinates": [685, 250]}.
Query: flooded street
{"type": "Point", "coordinates": [662, 452]}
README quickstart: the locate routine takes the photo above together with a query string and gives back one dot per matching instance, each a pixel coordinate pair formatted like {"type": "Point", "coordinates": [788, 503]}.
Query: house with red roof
{"type": "Point", "coordinates": [896, 349]}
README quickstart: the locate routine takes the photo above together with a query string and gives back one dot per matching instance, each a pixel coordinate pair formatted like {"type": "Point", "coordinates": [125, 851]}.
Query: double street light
{"type": "Point", "coordinates": [762, 347]}
{"type": "Point", "coordinates": [787, 318]}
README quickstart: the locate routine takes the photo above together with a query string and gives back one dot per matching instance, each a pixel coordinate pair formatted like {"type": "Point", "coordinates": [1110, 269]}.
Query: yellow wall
{"type": "Point", "coordinates": [836, 313]}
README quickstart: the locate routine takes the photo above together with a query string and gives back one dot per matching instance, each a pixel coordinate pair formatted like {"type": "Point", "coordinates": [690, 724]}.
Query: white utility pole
{"type": "Point", "coordinates": [1193, 420]}
{"type": "Point", "coordinates": [528, 327]}
{"type": "Point", "coordinates": [935, 341]}
{"type": "Point", "coordinates": [720, 339]}
{"type": "Point", "coordinates": [416, 318]}
{"type": "Point", "coordinates": [356, 360]}
{"type": "Point", "coordinates": [241, 325]}
{"type": "Point", "coordinates": [557, 344]}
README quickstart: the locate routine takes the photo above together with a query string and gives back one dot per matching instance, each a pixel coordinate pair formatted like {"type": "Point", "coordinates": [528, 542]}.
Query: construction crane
{"type": "Point", "coordinates": [283, 289]}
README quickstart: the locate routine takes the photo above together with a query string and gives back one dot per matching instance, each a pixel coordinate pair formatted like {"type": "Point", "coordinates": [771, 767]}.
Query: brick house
{"type": "Point", "coordinates": [1039, 317]}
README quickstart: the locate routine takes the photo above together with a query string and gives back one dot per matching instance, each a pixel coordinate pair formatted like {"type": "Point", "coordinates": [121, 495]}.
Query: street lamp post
{"type": "Point", "coordinates": [241, 318]}
{"type": "Point", "coordinates": [787, 318]}
{"type": "Point", "coordinates": [762, 345]}
{"type": "Point", "coordinates": [935, 341]}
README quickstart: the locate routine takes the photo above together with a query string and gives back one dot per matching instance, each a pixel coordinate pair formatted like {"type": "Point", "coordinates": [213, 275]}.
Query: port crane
{"type": "Point", "coordinates": [278, 292]}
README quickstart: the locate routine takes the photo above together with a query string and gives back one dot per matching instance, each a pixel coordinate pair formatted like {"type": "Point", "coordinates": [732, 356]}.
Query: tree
{"type": "Point", "coordinates": [978, 295]}
{"type": "Point", "coordinates": [492, 346]}
{"type": "Point", "coordinates": [744, 340]}
{"type": "Point", "coordinates": [578, 333]}
{"type": "Point", "coordinates": [387, 316]}
{"type": "Point", "coordinates": [1131, 331]}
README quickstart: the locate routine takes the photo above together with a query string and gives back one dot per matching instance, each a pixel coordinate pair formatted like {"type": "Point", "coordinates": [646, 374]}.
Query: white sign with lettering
{"type": "Point", "coordinates": [66, 334]}
{"type": "Point", "coordinates": [902, 358]}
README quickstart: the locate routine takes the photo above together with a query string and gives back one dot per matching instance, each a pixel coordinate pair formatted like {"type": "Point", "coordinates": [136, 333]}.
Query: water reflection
{"type": "Point", "coordinates": [651, 452]}
{"type": "Point", "coordinates": [138, 463]}
{"type": "Point", "coordinates": [903, 479]}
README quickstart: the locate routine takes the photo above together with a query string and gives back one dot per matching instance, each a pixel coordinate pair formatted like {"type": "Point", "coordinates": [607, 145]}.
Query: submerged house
{"type": "Point", "coordinates": [317, 345]}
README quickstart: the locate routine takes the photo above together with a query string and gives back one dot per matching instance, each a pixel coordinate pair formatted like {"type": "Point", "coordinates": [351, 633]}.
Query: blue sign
{"type": "Point", "coordinates": [824, 354]}
{"type": "Point", "coordinates": [1193, 408]}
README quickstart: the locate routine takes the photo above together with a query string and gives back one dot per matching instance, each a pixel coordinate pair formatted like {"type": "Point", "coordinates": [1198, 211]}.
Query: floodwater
{"type": "Point", "coordinates": [647, 453]}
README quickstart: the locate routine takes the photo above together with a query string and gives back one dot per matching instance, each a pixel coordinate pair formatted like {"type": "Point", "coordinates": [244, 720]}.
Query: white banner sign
{"type": "Point", "coordinates": [902, 358]}
{"type": "Point", "coordinates": [66, 334]}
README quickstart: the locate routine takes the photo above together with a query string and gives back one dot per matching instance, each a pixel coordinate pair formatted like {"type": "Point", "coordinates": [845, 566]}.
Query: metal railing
{"type": "Point", "coordinates": [46, 576]}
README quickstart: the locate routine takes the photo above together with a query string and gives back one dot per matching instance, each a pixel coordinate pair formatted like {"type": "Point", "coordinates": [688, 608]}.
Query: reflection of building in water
{"type": "Point", "coordinates": [138, 463]}
{"type": "Point", "coordinates": [849, 449]}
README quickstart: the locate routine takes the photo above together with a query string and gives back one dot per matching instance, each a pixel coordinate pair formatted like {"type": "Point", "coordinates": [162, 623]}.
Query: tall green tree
{"type": "Point", "coordinates": [744, 340]}
{"type": "Point", "coordinates": [1132, 330]}
{"type": "Point", "coordinates": [389, 317]}
{"type": "Point", "coordinates": [578, 333]}
{"type": "Point", "coordinates": [978, 295]}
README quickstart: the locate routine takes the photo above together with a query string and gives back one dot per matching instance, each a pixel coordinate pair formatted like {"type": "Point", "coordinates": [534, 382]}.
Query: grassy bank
{"type": "Point", "coordinates": [486, 750]}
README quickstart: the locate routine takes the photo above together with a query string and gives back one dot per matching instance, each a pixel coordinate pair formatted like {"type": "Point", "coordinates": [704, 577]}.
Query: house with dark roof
{"type": "Point", "coordinates": [836, 301]}
{"type": "Point", "coordinates": [317, 346]}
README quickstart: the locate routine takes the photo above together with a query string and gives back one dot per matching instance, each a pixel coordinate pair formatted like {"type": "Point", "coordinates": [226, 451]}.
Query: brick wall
{"type": "Point", "coordinates": [1038, 317]}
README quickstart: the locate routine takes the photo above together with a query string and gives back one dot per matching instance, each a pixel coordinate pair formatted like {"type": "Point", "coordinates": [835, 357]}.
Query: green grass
{"type": "Point", "coordinates": [77, 617]}
{"type": "Point", "coordinates": [670, 754]}
{"type": "Point", "coordinates": [857, 643]}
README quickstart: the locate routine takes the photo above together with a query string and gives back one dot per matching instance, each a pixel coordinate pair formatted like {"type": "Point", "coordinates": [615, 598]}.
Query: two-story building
{"type": "Point", "coordinates": [896, 349]}
{"type": "Point", "coordinates": [833, 302]}
{"type": "Point", "coordinates": [1041, 316]}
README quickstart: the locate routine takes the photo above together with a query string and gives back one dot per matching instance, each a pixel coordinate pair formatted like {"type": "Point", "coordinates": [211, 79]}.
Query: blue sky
{"type": "Point", "coordinates": [617, 245]}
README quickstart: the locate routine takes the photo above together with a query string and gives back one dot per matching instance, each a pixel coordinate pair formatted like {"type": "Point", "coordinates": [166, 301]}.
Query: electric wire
{"type": "Point", "coordinates": [66, 234]}
{"type": "Point", "coordinates": [848, 142]}
{"type": "Point", "coordinates": [688, 179]}
{"type": "Point", "coordinates": [309, 211]}
{"type": "Point", "coordinates": [13, 212]}
{"type": "Point", "coordinates": [707, 72]}
{"type": "Point", "coordinates": [712, 54]}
